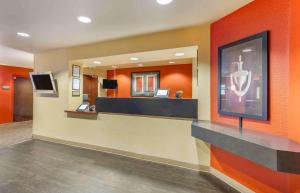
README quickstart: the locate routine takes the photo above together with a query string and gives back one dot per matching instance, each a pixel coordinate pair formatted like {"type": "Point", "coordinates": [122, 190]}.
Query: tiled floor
{"type": "Point", "coordinates": [13, 133]}
{"type": "Point", "coordinates": [42, 167]}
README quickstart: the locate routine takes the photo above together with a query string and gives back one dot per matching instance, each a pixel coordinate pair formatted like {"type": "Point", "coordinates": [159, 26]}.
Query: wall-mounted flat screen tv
{"type": "Point", "coordinates": [43, 82]}
{"type": "Point", "coordinates": [110, 84]}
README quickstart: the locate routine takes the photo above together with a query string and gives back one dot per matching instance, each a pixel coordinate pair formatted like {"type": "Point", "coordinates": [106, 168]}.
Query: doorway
{"type": "Point", "coordinates": [23, 99]}
{"type": "Point", "coordinates": [90, 87]}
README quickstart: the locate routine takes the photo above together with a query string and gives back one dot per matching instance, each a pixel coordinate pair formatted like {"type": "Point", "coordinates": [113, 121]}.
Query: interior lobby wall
{"type": "Point", "coordinates": [294, 81]}
{"type": "Point", "coordinates": [7, 74]}
{"type": "Point", "coordinates": [173, 77]}
{"type": "Point", "coordinates": [168, 139]}
{"type": "Point", "coordinates": [254, 18]}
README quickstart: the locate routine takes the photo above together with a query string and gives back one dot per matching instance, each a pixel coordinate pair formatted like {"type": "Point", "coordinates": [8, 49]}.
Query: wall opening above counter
{"type": "Point", "coordinates": [134, 80]}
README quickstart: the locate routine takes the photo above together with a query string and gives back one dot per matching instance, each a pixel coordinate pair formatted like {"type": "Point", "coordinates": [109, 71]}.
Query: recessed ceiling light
{"type": "Point", "coordinates": [164, 2]}
{"type": "Point", "coordinates": [97, 62]}
{"type": "Point", "coordinates": [179, 54]}
{"type": "Point", "coordinates": [134, 59]}
{"type": "Point", "coordinates": [84, 19]}
{"type": "Point", "coordinates": [22, 34]}
{"type": "Point", "coordinates": [140, 65]}
{"type": "Point", "coordinates": [171, 62]}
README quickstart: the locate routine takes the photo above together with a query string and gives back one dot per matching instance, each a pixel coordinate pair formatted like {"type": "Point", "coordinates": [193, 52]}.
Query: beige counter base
{"type": "Point", "coordinates": [236, 185]}
{"type": "Point", "coordinates": [126, 153]}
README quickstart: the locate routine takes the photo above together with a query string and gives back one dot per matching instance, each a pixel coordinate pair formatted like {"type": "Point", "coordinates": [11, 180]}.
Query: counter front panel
{"type": "Point", "coordinates": [181, 108]}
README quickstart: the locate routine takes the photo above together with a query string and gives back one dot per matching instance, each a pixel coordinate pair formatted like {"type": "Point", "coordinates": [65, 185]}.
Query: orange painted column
{"type": "Point", "coordinates": [7, 74]}
{"type": "Point", "coordinates": [294, 84]}
{"type": "Point", "coordinates": [294, 81]}
{"type": "Point", "coordinates": [281, 19]}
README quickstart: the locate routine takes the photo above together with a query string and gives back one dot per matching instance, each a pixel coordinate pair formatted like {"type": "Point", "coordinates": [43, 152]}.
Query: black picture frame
{"type": "Point", "coordinates": [157, 73]}
{"type": "Point", "coordinates": [74, 67]}
{"type": "Point", "coordinates": [74, 86]}
{"type": "Point", "coordinates": [264, 37]}
{"type": "Point", "coordinates": [75, 93]}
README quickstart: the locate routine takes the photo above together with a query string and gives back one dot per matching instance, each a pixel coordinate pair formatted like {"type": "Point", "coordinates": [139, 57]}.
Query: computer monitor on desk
{"type": "Point", "coordinates": [85, 106]}
{"type": "Point", "coordinates": [162, 93]}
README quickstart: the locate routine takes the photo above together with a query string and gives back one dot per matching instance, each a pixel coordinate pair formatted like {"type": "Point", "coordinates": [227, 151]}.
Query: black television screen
{"type": "Point", "coordinates": [42, 82]}
{"type": "Point", "coordinates": [110, 84]}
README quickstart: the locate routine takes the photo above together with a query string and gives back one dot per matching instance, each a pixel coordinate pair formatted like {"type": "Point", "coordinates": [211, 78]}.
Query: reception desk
{"type": "Point", "coordinates": [162, 107]}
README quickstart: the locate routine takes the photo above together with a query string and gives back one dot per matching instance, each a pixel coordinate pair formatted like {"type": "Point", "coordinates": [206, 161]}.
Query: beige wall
{"type": "Point", "coordinates": [158, 137]}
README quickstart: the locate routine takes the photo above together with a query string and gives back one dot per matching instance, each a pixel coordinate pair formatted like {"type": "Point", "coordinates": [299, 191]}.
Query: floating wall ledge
{"type": "Point", "coordinates": [275, 152]}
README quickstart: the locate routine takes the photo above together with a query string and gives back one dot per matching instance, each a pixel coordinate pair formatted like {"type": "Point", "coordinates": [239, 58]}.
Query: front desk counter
{"type": "Point", "coordinates": [161, 107]}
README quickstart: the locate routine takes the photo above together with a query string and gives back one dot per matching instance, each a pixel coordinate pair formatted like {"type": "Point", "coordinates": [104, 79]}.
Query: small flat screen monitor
{"type": "Point", "coordinates": [162, 93]}
{"type": "Point", "coordinates": [43, 82]}
{"type": "Point", "coordinates": [110, 84]}
{"type": "Point", "coordinates": [83, 107]}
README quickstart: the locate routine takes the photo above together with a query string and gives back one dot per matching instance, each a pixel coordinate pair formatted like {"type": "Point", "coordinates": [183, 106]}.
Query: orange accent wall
{"type": "Point", "coordinates": [7, 73]}
{"type": "Point", "coordinates": [174, 77]}
{"type": "Point", "coordinates": [258, 16]}
{"type": "Point", "coordinates": [294, 81]}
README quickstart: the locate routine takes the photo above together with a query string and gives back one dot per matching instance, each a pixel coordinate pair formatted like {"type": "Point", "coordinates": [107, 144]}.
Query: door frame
{"type": "Point", "coordinates": [14, 77]}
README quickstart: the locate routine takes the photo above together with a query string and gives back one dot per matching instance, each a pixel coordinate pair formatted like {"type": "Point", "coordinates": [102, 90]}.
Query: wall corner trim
{"type": "Point", "coordinates": [231, 182]}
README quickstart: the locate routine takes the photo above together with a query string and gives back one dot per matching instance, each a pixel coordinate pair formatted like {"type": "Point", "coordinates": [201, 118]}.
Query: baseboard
{"type": "Point", "coordinates": [16, 123]}
{"type": "Point", "coordinates": [231, 182]}
{"type": "Point", "coordinates": [126, 154]}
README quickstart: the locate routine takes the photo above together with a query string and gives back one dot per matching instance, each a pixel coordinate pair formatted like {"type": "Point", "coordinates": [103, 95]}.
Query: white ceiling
{"type": "Point", "coordinates": [144, 64]}
{"type": "Point", "coordinates": [13, 57]}
{"type": "Point", "coordinates": [146, 58]}
{"type": "Point", "coordinates": [53, 23]}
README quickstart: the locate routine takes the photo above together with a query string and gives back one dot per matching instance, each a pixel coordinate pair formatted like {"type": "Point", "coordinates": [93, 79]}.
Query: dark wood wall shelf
{"type": "Point", "coordinates": [275, 152]}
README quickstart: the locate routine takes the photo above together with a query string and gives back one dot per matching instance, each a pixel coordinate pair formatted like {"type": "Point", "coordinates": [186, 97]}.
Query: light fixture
{"type": "Point", "coordinates": [114, 67]}
{"type": "Point", "coordinates": [140, 65]}
{"type": "Point", "coordinates": [23, 34]}
{"type": "Point", "coordinates": [134, 59]}
{"type": "Point", "coordinates": [179, 54]}
{"type": "Point", "coordinates": [84, 19]}
{"type": "Point", "coordinates": [164, 2]}
{"type": "Point", "coordinates": [97, 62]}
{"type": "Point", "coordinates": [171, 62]}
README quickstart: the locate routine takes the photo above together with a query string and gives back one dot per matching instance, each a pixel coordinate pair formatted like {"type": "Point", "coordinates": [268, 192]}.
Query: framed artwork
{"type": "Point", "coordinates": [243, 78]}
{"type": "Point", "coordinates": [144, 84]}
{"type": "Point", "coordinates": [76, 71]}
{"type": "Point", "coordinates": [76, 93]}
{"type": "Point", "coordinates": [75, 84]}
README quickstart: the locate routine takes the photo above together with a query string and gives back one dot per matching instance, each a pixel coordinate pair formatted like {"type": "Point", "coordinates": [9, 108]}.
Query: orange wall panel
{"type": "Point", "coordinates": [294, 81]}
{"type": "Point", "coordinates": [294, 84]}
{"type": "Point", "coordinates": [174, 77]}
{"type": "Point", "coordinates": [259, 16]}
{"type": "Point", "coordinates": [256, 177]}
{"type": "Point", "coordinates": [7, 74]}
